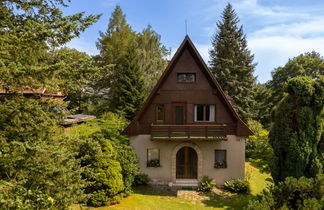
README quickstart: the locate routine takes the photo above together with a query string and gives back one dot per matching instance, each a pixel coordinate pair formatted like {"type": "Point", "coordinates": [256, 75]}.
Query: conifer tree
{"type": "Point", "coordinates": [297, 131]}
{"type": "Point", "coordinates": [127, 92]}
{"type": "Point", "coordinates": [114, 42]}
{"type": "Point", "coordinates": [232, 62]}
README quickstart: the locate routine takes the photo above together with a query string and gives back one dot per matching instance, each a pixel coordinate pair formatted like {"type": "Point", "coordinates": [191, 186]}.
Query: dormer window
{"type": "Point", "coordinates": [186, 77]}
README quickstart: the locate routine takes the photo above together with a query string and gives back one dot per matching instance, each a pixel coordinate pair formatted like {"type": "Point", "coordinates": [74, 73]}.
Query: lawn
{"type": "Point", "coordinates": [150, 198]}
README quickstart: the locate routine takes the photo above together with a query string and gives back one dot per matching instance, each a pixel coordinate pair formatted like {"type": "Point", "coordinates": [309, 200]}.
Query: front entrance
{"type": "Point", "coordinates": [186, 163]}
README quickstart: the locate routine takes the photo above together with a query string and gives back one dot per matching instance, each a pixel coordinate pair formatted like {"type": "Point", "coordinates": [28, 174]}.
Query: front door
{"type": "Point", "coordinates": [186, 163]}
{"type": "Point", "coordinates": [179, 113]}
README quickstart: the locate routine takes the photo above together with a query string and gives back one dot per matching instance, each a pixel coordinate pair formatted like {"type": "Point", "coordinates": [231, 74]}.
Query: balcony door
{"type": "Point", "coordinates": [186, 163]}
{"type": "Point", "coordinates": [179, 113]}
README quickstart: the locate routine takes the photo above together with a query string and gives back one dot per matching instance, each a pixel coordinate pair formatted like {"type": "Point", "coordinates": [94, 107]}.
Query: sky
{"type": "Point", "coordinates": [276, 30]}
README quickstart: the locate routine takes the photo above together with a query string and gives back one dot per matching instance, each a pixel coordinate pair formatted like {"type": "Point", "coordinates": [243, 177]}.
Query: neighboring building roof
{"type": "Point", "coordinates": [42, 93]}
{"type": "Point", "coordinates": [77, 118]}
{"type": "Point", "coordinates": [242, 128]}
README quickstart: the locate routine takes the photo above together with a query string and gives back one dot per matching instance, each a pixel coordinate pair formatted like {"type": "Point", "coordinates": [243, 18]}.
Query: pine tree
{"type": "Point", "coordinates": [127, 93]}
{"type": "Point", "coordinates": [232, 63]}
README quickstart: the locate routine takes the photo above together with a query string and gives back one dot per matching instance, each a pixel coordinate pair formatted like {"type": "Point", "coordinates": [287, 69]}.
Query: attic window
{"type": "Point", "coordinates": [186, 77]}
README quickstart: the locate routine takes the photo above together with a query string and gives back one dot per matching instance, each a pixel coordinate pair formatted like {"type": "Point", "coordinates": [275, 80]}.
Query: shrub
{"type": "Point", "coordinates": [103, 171]}
{"type": "Point", "coordinates": [141, 179]}
{"type": "Point", "coordinates": [206, 184]}
{"type": "Point", "coordinates": [303, 193]}
{"type": "Point", "coordinates": [109, 126]}
{"type": "Point", "coordinates": [37, 168]}
{"type": "Point", "coordinates": [237, 186]}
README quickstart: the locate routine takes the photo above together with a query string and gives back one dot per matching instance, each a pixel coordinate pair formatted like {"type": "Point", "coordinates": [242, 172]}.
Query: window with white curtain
{"type": "Point", "coordinates": [204, 113]}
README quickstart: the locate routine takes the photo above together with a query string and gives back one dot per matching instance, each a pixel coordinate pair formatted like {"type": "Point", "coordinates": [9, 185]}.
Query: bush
{"type": "Point", "coordinates": [206, 184]}
{"type": "Point", "coordinates": [141, 179]}
{"type": "Point", "coordinates": [38, 170]}
{"type": "Point", "coordinates": [303, 193]}
{"type": "Point", "coordinates": [103, 171]}
{"type": "Point", "coordinates": [109, 127]}
{"type": "Point", "coordinates": [237, 186]}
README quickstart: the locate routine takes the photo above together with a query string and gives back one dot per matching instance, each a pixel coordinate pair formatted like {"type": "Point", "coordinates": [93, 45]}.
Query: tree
{"type": "Point", "coordinates": [37, 168]}
{"type": "Point", "coordinates": [113, 43]}
{"type": "Point", "coordinates": [307, 64]}
{"type": "Point", "coordinates": [127, 93]}
{"type": "Point", "coordinates": [104, 132]}
{"type": "Point", "coordinates": [28, 29]}
{"type": "Point", "coordinates": [297, 130]}
{"type": "Point", "coordinates": [263, 101]}
{"type": "Point", "coordinates": [232, 63]}
{"type": "Point", "coordinates": [77, 75]}
{"type": "Point", "coordinates": [303, 193]}
{"type": "Point", "coordinates": [152, 54]}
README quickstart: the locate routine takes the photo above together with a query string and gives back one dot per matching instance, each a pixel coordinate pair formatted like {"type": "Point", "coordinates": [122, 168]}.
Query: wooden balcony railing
{"type": "Point", "coordinates": [188, 132]}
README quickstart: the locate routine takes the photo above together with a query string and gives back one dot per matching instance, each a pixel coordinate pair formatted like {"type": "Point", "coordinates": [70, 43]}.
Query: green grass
{"type": "Point", "coordinates": [148, 198]}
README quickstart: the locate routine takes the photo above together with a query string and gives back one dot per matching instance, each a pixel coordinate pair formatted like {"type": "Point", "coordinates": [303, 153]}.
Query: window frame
{"type": "Point", "coordinates": [217, 164]}
{"type": "Point", "coordinates": [211, 120]}
{"type": "Point", "coordinates": [184, 82]}
{"type": "Point", "coordinates": [156, 113]}
{"type": "Point", "coordinates": [148, 160]}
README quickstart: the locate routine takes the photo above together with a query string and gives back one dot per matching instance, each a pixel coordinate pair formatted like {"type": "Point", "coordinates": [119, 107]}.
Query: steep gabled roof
{"type": "Point", "coordinates": [187, 43]}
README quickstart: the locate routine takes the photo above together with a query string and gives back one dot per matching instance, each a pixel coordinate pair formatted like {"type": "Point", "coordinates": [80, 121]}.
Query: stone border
{"type": "Point", "coordinates": [174, 159]}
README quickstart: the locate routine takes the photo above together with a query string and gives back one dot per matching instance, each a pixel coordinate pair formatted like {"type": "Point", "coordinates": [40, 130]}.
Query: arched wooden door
{"type": "Point", "coordinates": [186, 167]}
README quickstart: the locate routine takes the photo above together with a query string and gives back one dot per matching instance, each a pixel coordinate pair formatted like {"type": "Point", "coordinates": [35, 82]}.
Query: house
{"type": "Point", "coordinates": [187, 128]}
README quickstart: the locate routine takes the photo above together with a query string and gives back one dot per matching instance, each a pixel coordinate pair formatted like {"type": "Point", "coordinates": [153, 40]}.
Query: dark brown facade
{"type": "Point", "coordinates": [187, 85]}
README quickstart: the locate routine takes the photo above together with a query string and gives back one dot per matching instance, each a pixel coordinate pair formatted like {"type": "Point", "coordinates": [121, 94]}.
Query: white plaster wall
{"type": "Point", "coordinates": [166, 173]}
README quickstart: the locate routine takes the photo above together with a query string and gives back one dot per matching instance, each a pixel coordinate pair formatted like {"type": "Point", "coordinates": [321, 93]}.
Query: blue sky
{"type": "Point", "coordinates": [276, 30]}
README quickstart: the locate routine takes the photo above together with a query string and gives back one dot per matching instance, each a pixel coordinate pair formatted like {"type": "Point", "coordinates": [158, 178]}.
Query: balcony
{"type": "Point", "coordinates": [188, 132]}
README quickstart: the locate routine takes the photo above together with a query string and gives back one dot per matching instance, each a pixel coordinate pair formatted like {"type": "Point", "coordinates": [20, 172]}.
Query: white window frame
{"type": "Point", "coordinates": [211, 112]}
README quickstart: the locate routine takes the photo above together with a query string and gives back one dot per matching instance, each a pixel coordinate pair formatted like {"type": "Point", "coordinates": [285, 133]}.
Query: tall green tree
{"type": "Point", "coordinates": [127, 93]}
{"type": "Point", "coordinates": [38, 169]}
{"type": "Point", "coordinates": [309, 64]}
{"type": "Point", "coordinates": [298, 130]}
{"type": "Point", "coordinates": [232, 63]}
{"type": "Point", "coordinates": [116, 46]}
{"type": "Point", "coordinates": [268, 95]}
{"type": "Point", "coordinates": [113, 43]}
{"type": "Point", "coordinates": [27, 30]}
{"type": "Point", "coordinates": [153, 57]}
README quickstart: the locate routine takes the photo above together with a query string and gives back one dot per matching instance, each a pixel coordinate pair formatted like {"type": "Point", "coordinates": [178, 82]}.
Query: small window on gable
{"type": "Point", "coordinates": [153, 158]}
{"type": "Point", "coordinates": [220, 159]}
{"type": "Point", "coordinates": [204, 113]}
{"type": "Point", "coordinates": [186, 77]}
{"type": "Point", "coordinates": [159, 112]}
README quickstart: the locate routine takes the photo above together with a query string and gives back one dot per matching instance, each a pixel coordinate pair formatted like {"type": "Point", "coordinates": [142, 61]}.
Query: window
{"type": "Point", "coordinates": [159, 111]}
{"type": "Point", "coordinates": [186, 77]}
{"type": "Point", "coordinates": [205, 113]}
{"type": "Point", "coordinates": [153, 158]}
{"type": "Point", "coordinates": [220, 159]}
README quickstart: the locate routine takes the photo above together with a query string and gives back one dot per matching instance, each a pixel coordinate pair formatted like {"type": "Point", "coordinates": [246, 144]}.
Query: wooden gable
{"type": "Point", "coordinates": [205, 90]}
